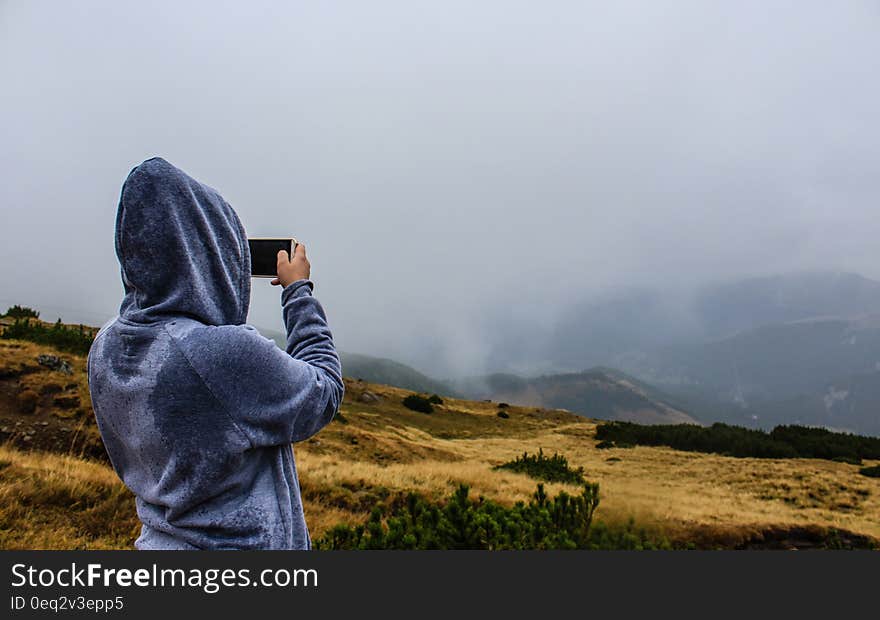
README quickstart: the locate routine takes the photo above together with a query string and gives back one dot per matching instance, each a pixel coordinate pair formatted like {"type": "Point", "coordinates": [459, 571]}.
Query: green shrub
{"type": "Point", "coordinates": [71, 339]}
{"type": "Point", "coordinates": [503, 414]}
{"type": "Point", "coordinates": [418, 403]}
{"type": "Point", "coordinates": [562, 522]}
{"type": "Point", "coordinates": [871, 472]}
{"type": "Point", "coordinates": [552, 469]}
{"type": "Point", "coordinates": [435, 400]}
{"type": "Point", "coordinates": [626, 538]}
{"type": "Point", "coordinates": [781, 442]}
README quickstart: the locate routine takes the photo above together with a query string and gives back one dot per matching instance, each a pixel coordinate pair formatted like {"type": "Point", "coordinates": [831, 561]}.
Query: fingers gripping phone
{"type": "Point", "coordinates": [264, 254]}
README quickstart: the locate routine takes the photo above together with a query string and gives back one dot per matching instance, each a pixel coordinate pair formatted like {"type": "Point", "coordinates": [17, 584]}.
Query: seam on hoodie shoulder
{"type": "Point", "coordinates": [208, 387]}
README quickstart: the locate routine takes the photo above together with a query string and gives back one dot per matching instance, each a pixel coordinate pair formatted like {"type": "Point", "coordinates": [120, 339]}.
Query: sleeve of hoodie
{"type": "Point", "coordinates": [276, 397]}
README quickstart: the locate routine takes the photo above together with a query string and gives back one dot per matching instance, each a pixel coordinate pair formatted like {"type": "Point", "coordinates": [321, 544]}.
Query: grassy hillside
{"type": "Point", "coordinates": [378, 451]}
{"type": "Point", "coordinates": [706, 499]}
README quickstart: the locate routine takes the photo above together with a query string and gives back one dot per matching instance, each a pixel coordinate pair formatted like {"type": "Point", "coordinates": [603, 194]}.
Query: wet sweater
{"type": "Point", "coordinates": [196, 408]}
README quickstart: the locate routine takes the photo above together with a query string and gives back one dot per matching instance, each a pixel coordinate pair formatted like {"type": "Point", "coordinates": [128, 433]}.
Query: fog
{"type": "Point", "coordinates": [462, 173]}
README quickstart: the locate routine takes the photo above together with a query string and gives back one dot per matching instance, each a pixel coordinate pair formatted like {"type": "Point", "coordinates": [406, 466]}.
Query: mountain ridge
{"type": "Point", "coordinates": [598, 392]}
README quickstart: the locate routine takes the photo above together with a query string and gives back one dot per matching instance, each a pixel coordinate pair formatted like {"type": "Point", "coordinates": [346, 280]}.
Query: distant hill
{"type": "Point", "coordinates": [389, 372]}
{"type": "Point", "coordinates": [773, 360]}
{"type": "Point", "coordinates": [613, 330]}
{"type": "Point", "coordinates": [757, 351]}
{"type": "Point", "coordinates": [849, 404]}
{"type": "Point", "coordinates": [817, 371]}
{"type": "Point", "coordinates": [379, 370]}
{"type": "Point", "coordinates": [725, 309]}
{"type": "Point", "coordinates": [598, 393]}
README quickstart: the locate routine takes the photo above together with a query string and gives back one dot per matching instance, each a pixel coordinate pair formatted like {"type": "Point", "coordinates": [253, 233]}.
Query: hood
{"type": "Point", "coordinates": [182, 249]}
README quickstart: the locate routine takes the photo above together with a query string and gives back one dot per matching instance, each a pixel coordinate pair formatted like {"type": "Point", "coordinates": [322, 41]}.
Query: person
{"type": "Point", "coordinates": [196, 408]}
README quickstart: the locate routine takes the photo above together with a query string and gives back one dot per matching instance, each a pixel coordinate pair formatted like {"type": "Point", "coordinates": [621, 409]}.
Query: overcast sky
{"type": "Point", "coordinates": [452, 166]}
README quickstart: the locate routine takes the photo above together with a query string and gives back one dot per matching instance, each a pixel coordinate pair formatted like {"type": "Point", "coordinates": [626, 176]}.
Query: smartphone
{"type": "Point", "coordinates": [264, 254]}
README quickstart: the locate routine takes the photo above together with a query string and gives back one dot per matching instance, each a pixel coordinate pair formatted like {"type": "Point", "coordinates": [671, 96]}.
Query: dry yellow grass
{"type": "Point", "coordinates": [50, 501]}
{"type": "Point", "coordinates": [380, 449]}
{"type": "Point", "coordinates": [679, 494]}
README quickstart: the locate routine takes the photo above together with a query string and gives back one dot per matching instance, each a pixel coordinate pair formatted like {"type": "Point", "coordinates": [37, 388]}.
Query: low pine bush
{"type": "Point", "coordinates": [550, 468]}
{"type": "Point", "coordinates": [562, 522]}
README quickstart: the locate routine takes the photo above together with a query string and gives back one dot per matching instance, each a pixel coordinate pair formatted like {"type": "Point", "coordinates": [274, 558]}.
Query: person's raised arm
{"type": "Point", "coordinates": [308, 336]}
{"type": "Point", "coordinates": [275, 396]}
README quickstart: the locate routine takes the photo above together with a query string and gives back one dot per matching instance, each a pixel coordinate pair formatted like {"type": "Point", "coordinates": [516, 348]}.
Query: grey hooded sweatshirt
{"type": "Point", "coordinates": [198, 410]}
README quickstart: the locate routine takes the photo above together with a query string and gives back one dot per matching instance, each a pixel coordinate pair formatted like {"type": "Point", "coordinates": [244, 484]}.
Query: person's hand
{"type": "Point", "coordinates": [292, 269]}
